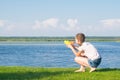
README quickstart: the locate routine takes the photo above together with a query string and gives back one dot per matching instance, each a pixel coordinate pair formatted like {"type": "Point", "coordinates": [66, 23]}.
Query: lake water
{"type": "Point", "coordinates": [54, 54]}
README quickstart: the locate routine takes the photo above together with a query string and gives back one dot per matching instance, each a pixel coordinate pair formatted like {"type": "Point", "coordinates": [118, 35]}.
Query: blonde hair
{"type": "Point", "coordinates": [80, 37]}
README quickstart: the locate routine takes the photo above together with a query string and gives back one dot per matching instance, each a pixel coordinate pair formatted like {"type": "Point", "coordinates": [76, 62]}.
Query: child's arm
{"type": "Point", "coordinates": [76, 53]}
{"type": "Point", "coordinates": [80, 53]}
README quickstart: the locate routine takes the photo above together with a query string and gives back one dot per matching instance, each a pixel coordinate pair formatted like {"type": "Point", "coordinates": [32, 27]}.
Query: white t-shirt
{"type": "Point", "coordinates": [89, 50]}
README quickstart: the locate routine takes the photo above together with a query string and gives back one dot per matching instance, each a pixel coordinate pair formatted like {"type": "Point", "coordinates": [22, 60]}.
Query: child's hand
{"type": "Point", "coordinates": [70, 46]}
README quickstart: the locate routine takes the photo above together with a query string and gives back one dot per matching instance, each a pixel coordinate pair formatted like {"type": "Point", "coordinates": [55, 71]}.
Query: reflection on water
{"type": "Point", "coordinates": [54, 55]}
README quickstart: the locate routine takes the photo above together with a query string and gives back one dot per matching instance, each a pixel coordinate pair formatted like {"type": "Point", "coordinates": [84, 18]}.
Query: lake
{"type": "Point", "coordinates": [54, 54]}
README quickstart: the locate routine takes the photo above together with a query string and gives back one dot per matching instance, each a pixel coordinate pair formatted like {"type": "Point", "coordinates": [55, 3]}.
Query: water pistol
{"type": "Point", "coordinates": [67, 42]}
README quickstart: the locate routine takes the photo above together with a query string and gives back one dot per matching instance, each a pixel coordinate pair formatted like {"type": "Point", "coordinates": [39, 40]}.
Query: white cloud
{"type": "Point", "coordinates": [37, 25]}
{"type": "Point", "coordinates": [111, 22]}
{"type": "Point", "coordinates": [2, 23]}
{"type": "Point", "coordinates": [71, 25]}
{"type": "Point", "coordinates": [54, 27]}
{"type": "Point", "coordinates": [72, 22]}
{"type": "Point", "coordinates": [106, 27]}
{"type": "Point", "coordinates": [52, 22]}
{"type": "Point", "coordinates": [10, 27]}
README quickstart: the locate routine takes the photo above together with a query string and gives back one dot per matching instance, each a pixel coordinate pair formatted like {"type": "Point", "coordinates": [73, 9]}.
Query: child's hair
{"type": "Point", "coordinates": [80, 36]}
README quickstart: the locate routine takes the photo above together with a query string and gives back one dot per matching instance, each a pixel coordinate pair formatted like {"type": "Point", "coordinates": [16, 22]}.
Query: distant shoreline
{"type": "Point", "coordinates": [57, 39]}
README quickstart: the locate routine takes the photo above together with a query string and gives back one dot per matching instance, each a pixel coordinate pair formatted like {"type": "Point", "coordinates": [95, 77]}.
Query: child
{"type": "Point", "coordinates": [86, 54]}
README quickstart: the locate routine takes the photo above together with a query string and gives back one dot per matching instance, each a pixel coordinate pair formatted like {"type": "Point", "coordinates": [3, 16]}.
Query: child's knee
{"type": "Point", "coordinates": [76, 59]}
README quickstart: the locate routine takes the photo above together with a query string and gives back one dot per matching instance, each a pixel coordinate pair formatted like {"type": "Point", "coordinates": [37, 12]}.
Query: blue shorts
{"type": "Point", "coordinates": [94, 63]}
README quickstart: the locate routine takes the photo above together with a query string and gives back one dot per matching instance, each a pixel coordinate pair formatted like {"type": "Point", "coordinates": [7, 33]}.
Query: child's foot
{"type": "Point", "coordinates": [92, 69]}
{"type": "Point", "coordinates": [79, 70]}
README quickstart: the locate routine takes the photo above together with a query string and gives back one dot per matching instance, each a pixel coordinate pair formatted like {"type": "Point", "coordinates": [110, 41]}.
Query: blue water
{"type": "Point", "coordinates": [54, 55]}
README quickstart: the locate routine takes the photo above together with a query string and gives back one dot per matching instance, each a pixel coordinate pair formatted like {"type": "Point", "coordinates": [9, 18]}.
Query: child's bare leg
{"type": "Point", "coordinates": [83, 62]}
{"type": "Point", "coordinates": [92, 69]}
{"type": "Point", "coordinates": [82, 69]}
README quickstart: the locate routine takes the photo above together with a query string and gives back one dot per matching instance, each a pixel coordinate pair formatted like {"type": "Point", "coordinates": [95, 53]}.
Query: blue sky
{"type": "Point", "coordinates": [59, 17]}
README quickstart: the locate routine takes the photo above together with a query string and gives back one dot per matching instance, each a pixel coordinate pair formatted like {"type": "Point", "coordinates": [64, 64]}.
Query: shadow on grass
{"type": "Point", "coordinates": [31, 75]}
{"type": "Point", "coordinates": [107, 69]}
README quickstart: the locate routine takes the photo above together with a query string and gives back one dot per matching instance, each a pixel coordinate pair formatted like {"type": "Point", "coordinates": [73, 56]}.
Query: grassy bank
{"type": "Point", "coordinates": [32, 73]}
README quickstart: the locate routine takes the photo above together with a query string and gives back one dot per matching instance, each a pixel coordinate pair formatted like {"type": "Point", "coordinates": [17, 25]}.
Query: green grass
{"type": "Point", "coordinates": [33, 73]}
